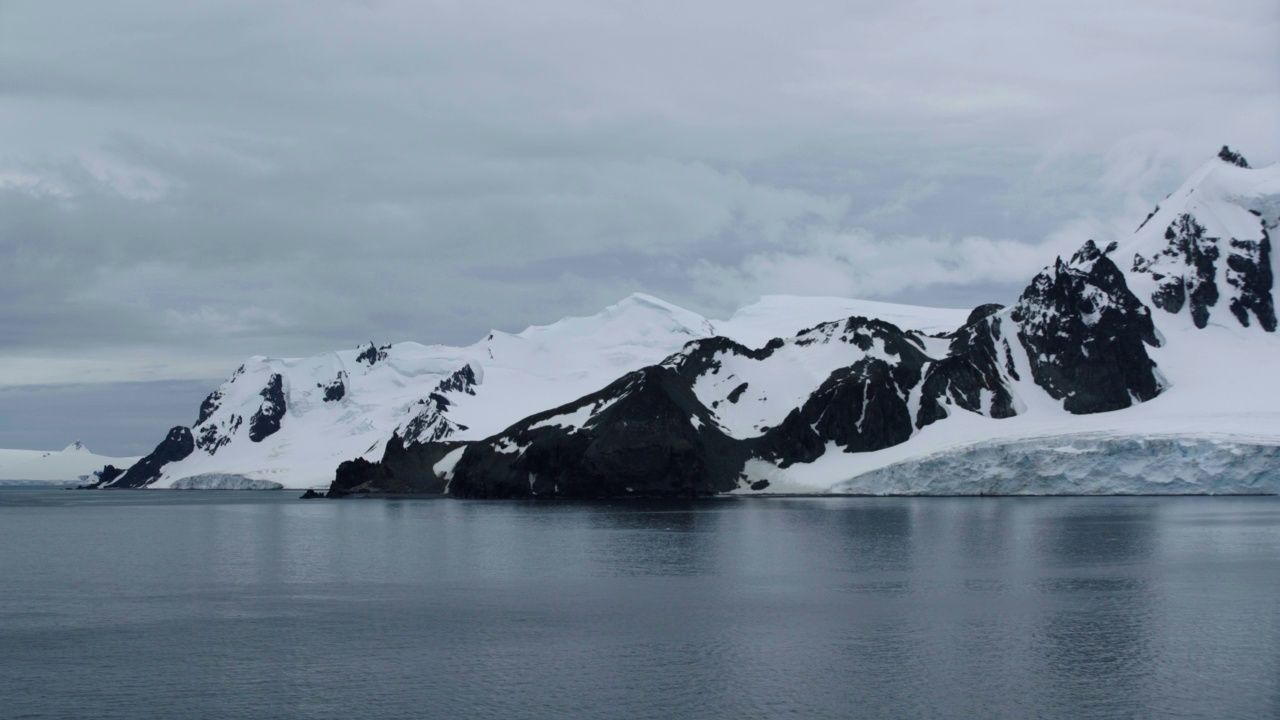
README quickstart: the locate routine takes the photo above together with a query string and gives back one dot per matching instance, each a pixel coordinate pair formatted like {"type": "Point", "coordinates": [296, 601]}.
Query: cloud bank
{"type": "Point", "coordinates": [185, 184]}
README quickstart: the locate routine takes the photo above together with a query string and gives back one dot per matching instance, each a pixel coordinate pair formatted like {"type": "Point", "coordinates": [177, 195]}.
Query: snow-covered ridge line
{"type": "Point", "coordinates": [294, 420]}
{"type": "Point", "coordinates": [1169, 333]}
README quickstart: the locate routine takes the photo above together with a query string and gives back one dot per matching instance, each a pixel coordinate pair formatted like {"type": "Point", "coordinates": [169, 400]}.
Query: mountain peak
{"type": "Point", "coordinates": [644, 299]}
{"type": "Point", "coordinates": [649, 302]}
{"type": "Point", "coordinates": [636, 316]}
{"type": "Point", "coordinates": [1226, 154]}
{"type": "Point", "coordinates": [76, 446]}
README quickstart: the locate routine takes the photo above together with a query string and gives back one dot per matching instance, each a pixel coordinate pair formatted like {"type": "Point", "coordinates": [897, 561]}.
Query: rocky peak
{"type": "Point", "coordinates": [1089, 253]}
{"type": "Point", "coordinates": [463, 380]}
{"type": "Point", "coordinates": [177, 445]}
{"type": "Point", "coordinates": [699, 357]}
{"type": "Point", "coordinates": [335, 389]}
{"type": "Point", "coordinates": [1187, 268]}
{"type": "Point", "coordinates": [430, 423]}
{"type": "Point", "coordinates": [210, 406]}
{"type": "Point", "coordinates": [975, 373]}
{"type": "Point", "coordinates": [266, 421]}
{"type": "Point", "coordinates": [372, 354]}
{"type": "Point", "coordinates": [1086, 334]}
{"type": "Point", "coordinates": [1226, 154]}
{"type": "Point", "coordinates": [982, 312]}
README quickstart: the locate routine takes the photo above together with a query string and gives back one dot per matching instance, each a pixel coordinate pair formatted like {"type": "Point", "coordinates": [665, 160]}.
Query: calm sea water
{"type": "Point", "coordinates": [257, 605]}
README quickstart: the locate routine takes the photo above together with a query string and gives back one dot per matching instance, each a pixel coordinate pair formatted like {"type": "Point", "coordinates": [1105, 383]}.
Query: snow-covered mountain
{"type": "Point", "coordinates": [1145, 366]}
{"type": "Point", "coordinates": [74, 463]}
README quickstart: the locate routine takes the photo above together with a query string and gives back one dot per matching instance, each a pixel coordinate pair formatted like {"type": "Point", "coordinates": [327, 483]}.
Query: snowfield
{"type": "Point", "coordinates": [74, 463]}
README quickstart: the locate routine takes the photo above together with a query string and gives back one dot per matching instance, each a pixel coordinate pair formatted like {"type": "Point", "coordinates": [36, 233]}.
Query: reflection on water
{"type": "Point", "coordinates": [185, 605]}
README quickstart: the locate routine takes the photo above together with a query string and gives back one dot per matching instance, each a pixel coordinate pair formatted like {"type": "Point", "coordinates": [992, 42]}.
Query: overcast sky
{"type": "Point", "coordinates": [183, 184]}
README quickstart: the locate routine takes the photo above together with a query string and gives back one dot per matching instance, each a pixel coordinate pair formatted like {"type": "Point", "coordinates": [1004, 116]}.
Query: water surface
{"type": "Point", "coordinates": [172, 604]}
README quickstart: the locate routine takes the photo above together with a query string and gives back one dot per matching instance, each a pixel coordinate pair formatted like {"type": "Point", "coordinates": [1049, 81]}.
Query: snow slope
{"type": "Point", "coordinates": [74, 463]}
{"type": "Point", "coordinates": [348, 404]}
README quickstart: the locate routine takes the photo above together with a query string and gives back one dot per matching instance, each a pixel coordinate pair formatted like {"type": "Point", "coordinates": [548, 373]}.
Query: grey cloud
{"type": "Point", "coordinates": [113, 419]}
{"type": "Point", "coordinates": [218, 179]}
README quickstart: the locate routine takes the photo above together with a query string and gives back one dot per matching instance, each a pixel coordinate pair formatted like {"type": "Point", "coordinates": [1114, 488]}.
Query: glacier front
{"type": "Point", "coordinates": [1083, 465]}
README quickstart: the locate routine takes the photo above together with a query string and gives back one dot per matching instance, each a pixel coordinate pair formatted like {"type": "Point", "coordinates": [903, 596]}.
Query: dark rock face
{"type": "Point", "coordinates": [642, 440]}
{"type": "Point", "coordinates": [210, 406]}
{"type": "Point", "coordinates": [1186, 272]}
{"type": "Point", "coordinates": [177, 445]}
{"type": "Point", "coordinates": [1086, 335]}
{"type": "Point", "coordinates": [982, 312]}
{"type": "Point", "coordinates": [736, 394]}
{"type": "Point", "coordinates": [335, 389]}
{"type": "Point", "coordinates": [212, 437]}
{"type": "Point", "coordinates": [311, 495]}
{"type": "Point", "coordinates": [1147, 219]}
{"type": "Point", "coordinates": [1226, 154]}
{"type": "Point", "coordinates": [463, 380]}
{"type": "Point", "coordinates": [356, 476]}
{"type": "Point", "coordinates": [975, 365]}
{"type": "Point", "coordinates": [109, 473]}
{"type": "Point", "coordinates": [1188, 248]}
{"type": "Point", "coordinates": [862, 333]}
{"type": "Point", "coordinates": [373, 354]}
{"type": "Point", "coordinates": [861, 408]}
{"type": "Point", "coordinates": [105, 476]}
{"type": "Point", "coordinates": [702, 357]}
{"type": "Point", "coordinates": [403, 469]}
{"type": "Point", "coordinates": [266, 421]}
{"type": "Point", "coordinates": [431, 425]}
{"type": "Point", "coordinates": [1249, 274]}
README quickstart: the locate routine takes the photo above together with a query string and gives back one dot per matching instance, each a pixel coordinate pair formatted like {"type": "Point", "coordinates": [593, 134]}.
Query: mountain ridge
{"type": "Point", "coordinates": [785, 394]}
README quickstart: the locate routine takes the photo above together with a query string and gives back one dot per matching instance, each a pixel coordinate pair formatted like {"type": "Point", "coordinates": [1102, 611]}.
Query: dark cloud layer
{"type": "Point", "coordinates": [184, 184]}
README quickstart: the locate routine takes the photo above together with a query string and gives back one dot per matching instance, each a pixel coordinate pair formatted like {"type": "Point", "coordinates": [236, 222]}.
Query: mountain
{"type": "Point", "coordinates": [74, 463]}
{"type": "Point", "coordinates": [1144, 366]}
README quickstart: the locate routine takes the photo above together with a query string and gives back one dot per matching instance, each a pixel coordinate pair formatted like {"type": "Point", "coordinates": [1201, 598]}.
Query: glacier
{"type": "Point", "coordinates": [1083, 465]}
{"type": "Point", "coordinates": [222, 481]}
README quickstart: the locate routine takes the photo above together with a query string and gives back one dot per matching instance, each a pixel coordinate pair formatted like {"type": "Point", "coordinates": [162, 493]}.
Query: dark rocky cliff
{"type": "Point", "coordinates": [646, 434]}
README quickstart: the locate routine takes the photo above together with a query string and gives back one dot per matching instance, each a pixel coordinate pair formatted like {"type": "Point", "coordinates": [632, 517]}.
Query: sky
{"type": "Point", "coordinates": [183, 185]}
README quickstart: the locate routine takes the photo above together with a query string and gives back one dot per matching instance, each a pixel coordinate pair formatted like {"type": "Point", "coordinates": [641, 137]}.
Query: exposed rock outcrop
{"type": "Point", "coordinates": [177, 445]}
{"type": "Point", "coordinates": [1086, 335]}
{"type": "Point", "coordinates": [403, 469]}
{"type": "Point", "coordinates": [644, 435]}
{"type": "Point", "coordinates": [266, 421]}
{"type": "Point", "coordinates": [974, 374]}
